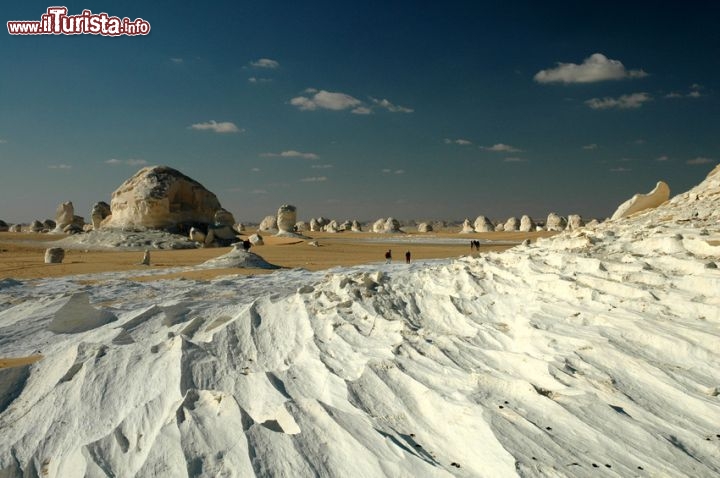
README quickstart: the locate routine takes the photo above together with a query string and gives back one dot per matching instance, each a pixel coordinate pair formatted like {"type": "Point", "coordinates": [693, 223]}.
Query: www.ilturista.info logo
{"type": "Point", "coordinates": [57, 22]}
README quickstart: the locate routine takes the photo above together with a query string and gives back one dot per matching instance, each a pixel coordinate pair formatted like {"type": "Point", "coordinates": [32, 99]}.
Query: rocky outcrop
{"type": "Point", "coordinates": [332, 226]}
{"type": "Point", "coordinates": [379, 225]}
{"type": "Point", "coordinates": [641, 202]}
{"type": "Point", "coordinates": [527, 224]}
{"type": "Point", "coordinates": [286, 218]}
{"type": "Point", "coordinates": [159, 197]}
{"type": "Point", "coordinates": [392, 225]}
{"type": "Point", "coordinates": [483, 224]}
{"type": "Point", "coordinates": [467, 228]}
{"type": "Point", "coordinates": [500, 227]}
{"type": "Point", "coordinates": [256, 240]}
{"type": "Point", "coordinates": [314, 225]}
{"type": "Point", "coordinates": [99, 212]}
{"type": "Point", "coordinates": [512, 224]}
{"type": "Point", "coordinates": [49, 224]}
{"type": "Point", "coordinates": [64, 216]}
{"type": "Point", "coordinates": [424, 227]}
{"type": "Point", "coordinates": [555, 222]}
{"type": "Point", "coordinates": [15, 228]}
{"type": "Point", "coordinates": [54, 255]}
{"type": "Point", "coordinates": [269, 224]}
{"type": "Point", "coordinates": [301, 226]}
{"type": "Point", "coordinates": [37, 226]}
{"type": "Point", "coordinates": [575, 222]}
{"type": "Point", "coordinates": [197, 235]}
{"type": "Point", "coordinates": [345, 226]}
{"type": "Point", "coordinates": [355, 227]}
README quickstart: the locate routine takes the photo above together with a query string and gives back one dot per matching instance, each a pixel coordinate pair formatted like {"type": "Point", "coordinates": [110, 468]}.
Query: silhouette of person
{"type": "Point", "coordinates": [407, 257]}
{"type": "Point", "coordinates": [246, 245]}
{"type": "Point", "coordinates": [388, 256]}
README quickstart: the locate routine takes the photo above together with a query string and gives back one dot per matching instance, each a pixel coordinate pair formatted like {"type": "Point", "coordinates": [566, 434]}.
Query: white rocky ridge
{"type": "Point", "coordinates": [640, 202]}
{"type": "Point", "coordinates": [590, 353]}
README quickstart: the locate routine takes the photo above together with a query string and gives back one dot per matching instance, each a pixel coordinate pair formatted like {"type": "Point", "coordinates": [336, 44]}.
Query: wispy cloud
{"type": "Point", "coordinates": [265, 63]}
{"type": "Point", "coordinates": [255, 170]}
{"type": "Point", "coordinates": [59, 166]}
{"type": "Point", "coordinates": [589, 147]}
{"type": "Point", "coordinates": [460, 141]}
{"type": "Point", "coordinates": [501, 148]}
{"type": "Point", "coordinates": [393, 171]}
{"type": "Point", "coordinates": [620, 169]}
{"type": "Point", "coordinates": [596, 67]}
{"type": "Point", "coordinates": [314, 179]}
{"type": "Point", "coordinates": [362, 110]}
{"type": "Point", "coordinates": [662, 158]}
{"type": "Point", "coordinates": [700, 160]}
{"type": "Point", "coordinates": [291, 154]}
{"type": "Point", "coordinates": [212, 125]}
{"type": "Point", "coordinates": [126, 162]}
{"type": "Point", "coordinates": [639, 141]}
{"type": "Point", "coordinates": [255, 80]}
{"type": "Point", "coordinates": [389, 106]}
{"type": "Point", "coordinates": [177, 61]}
{"type": "Point", "coordinates": [694, 92]}
{"type": "Point", "coordinates": [327, 100]}
{"type": "Point", "coordinates": [322, 166]}
{"type": "Point", "coordinates": [624, 102]}
{"type": "Point", "coordinates": [514, 159]}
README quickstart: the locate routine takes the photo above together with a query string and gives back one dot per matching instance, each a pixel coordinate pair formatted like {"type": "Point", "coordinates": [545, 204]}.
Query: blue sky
{"type": "Point", "coordinates": [365, 109]}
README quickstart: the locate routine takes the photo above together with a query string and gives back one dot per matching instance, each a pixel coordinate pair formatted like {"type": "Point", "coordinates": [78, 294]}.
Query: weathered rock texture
{"type": "Point", "coordinates": [575, 221]}
{"type": "Point", "coordinates": [425, 227]}
{"type": "Point", "coordinates": [54, 255]}
{"type": "Point", "coordinates": [100, 211]}
{"type": "Point", "coordinates": [555, 222]}
{"type": "Point", "coordinates": [286, 218]}
{"type": "Point", "coordinates": [640, 202]}
{"type": "Point", "coordinates": [256, 240]}
{"type": "Point", "coordinates": [355, 226]}
{"type": "Point", "coordinates": [160, 197]}
{"type": "Point", "coordinates": [483, 224]}
{"type": "Point", "coordinates": [467, 227]}
{"type": "Point", "coordinates": [269, 224]}
{"type": "Point", "coordinates": [512, 224]}
{"type": "Point", "coordinates": [527, 224]}
{"type": "Point", "coordinates": [64, 216]}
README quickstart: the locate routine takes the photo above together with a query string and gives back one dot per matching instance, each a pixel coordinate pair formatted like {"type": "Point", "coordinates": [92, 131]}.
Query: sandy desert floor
{"type": "Point", "coordinates": [21, 255]}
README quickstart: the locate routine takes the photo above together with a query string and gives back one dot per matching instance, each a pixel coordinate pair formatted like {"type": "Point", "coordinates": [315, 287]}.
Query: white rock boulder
{"type": "Point", "coordinates": [355, 227]}
{"type": "Point", "coordinates": [256, 240]}
{"type": "Point", "coordinates": [527, 224]}
{"type": "Point", "coordinates": [575, 222]}
{"type": "Point", "coordinates": [379, 225]}
{"type": "Point", "coordinates": [425, 227]}
{"type": "Point", "coordinates": [286, 219]}
{"type": "Point", "coordinates": [641, 202]}
{"type": "Point", "coordinates": [269, 224]}
{"type": "Point", "coordinates": [555, 222]}
{"type": "Point", "coordinates": [512, 224]}
{"type": "Point", "coordinates": [483, 224]}
{"type": "Point", "coordinates": [99, 212]}
{"type": "Point", "coordinates": [467, 227]}
{"type": "Point", "coordinates": [392, 225]}
{"type": "Point", "coordinates": [64, 216]}
{"type": "Point", "coordinates": [54, 255]}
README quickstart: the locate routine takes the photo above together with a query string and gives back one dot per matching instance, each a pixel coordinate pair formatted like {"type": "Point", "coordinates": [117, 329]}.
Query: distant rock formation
{"type": "Point", "coordinates": [592, 223]}
{"type": "Point", "coordinates": [269, 224]}
{"type": "Point", "coordinates": [355, 227]}
{"type": "Point", "coordinates": [286, 219]}
{"type": "Point", "coordinates": [467, 227]}
{"type": "Point", "coordinates": [100, 211]}
{"type": "Point", "coordinates": [64, 216]}
{"type": "Point", "coordinates": [527, 224]}
{"type": "Point", "coordinates": [54, 255]}
{"type": "Point", "coordinates": [424, 227]}
{"type": "Point", "coordinates": [15, 228]}
{"type": "Point", "coordinates": [641, 202]}
{"type": "Point", "coordinates": [575, 222]}
{"type": "Point", "coordinates": [314, 225]}
{"type": "Point", "coordinates": [49, 224]}
{"type": "Point", "coordinates": [345, 226]}
{"type": "Point", "coordinates": [159, 197]}
{"type": "Point", "coordinates": [500, 227]}
{"type": "Point", "coordinates": [256, 240]}
{"type": "Point", "coordinates": [301, 226]}
{"type": "Point", "coordinates": [555, 222]}
{"type": "Point", "coordinates": [483, 224]}
{"type": "Point", "coordinates": [37, 226]}
{"type": "Point", "coordinates": [332, 226]}
{"type": "Point", "coordinates": [379, 225]}
{"type": "Point", "coordinates": [512, 224]}
{"type": "Point", "coordinates": [392, 225]}
{"type": "Point", "coordinates": [4, 226]}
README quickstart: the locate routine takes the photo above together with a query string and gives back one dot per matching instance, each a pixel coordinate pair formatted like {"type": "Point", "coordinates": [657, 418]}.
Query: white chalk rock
{"type": "Point", "coordinates": [500, 227]}
{"type": "Point", "coordinates": [99, 212]}
{"type": "Point", "coordinates": [269, 224]}
{"type": "Point", "coordinates": [36, 226]}
{"type": "Point", "coordinates": [355, 226]}
{"type": "Point", "coordinates": [223, 217]}
{"type": "Point", "coordinates": [592, 223]}
{"type": "Point", "coordinates": [574, 222]}
{"type": "Point", "coordinates": [379, 225]}
{"type": "Point", "coordinates": [54, 255]}
{"type": "Point", "coordinates": [256, 240]}
{"type": "Point", "coordinates": [425, 227]}
{"type": "Point", "coordinates": [197, 235]}
{"type": "Point", "coordinates": [467, 227]}
{"type": "Point", "coordinates": [392, 225]}
{"type": "Point", "coordinates": [346, 226]}
{"type": "Point", "coordinates": [641, 202]}
{"type": "Point", "coordinates": [332, 226]}
{"type": "Point", "coordinates": [301, 226]}
{"type": "Point", "coordinates": [239, 227]}
{"type": "Point", "coordinates": [314, 225]}
{"type": "Point", "coordinates": [15, 228]}
{"type": "Point", "coordinates": [64, 216]}
{"type": "Point", "coordinates": [527, 224]}
{"type": "Point", "coordinates": [555, 222]}
{"type": "Point", "coordinates": [159, 197]}
{"type": "Point", "coordinates": [286, 218]}
{"type": "Point", "coordinates": [512, 224]}
{"type": "Point", "coordinates": [483, 224]}
{"type": "Point", "coordinates": [4, 226]}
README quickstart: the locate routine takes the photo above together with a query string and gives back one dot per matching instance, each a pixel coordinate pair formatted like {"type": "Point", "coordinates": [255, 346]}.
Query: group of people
{"type": "Point", "coordinates": [388, 257]}
{"type": "Point", "coordinates": [475, 245]}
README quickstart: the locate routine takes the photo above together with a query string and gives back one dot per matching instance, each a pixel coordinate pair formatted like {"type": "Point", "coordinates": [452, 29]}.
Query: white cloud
{"type": "Point", "coordinates": [399, 171]}
{"type": "Point", "coordinates": [60, 166]}
{"type": "Point", "coordinates": [291, 154]}
{"type": "Point", "coordinates": [212, 125]}
{"type": "Point", "coordinates": [662, 158]}
{"type": "Point", "coordinates": [514, 160]}
{"type": "Point", "coordinates": [314, 179]}
{"type": "Point", "coordinates": [590, 146]}
{"type": "Point", "coordinates": [597, 67]}
{"type": "Point", "coordinates": [389, 106]}
{"type": "Point", "coordinates": [177, 61]}
{"type": "Point", "coordinates": [265, 63]}
{"type": "Point", "coordinates": [639, 141]}
{"type": "Point", "coordinates": [128, 162]}
{"type": "Point", "coordinates": [700, 160]}
{"type": "Point", "coordinates": [620, 169]}
{"type": "Point", "coordinates": [501, 148]}
{"type": "Point", "coordinates": [362, 110]}
{"type": "Point", "coordinates": [387, 170]}
{"type": "Point", "coordinates": [674, 94]}
{"type": "Point", "coordinates": [322, 166]}
{"type": "Point", "coordinates": [256, 80]}
{"type": "Point", "coordinates": [460, 141]}
{"type": "Point", "coordinates": [325, 100]}
{"type": "Point", "coordinates": [624, 102]}
{"type": "Point", "coordinates": [694, 94]}
{"type": "Point", "coordinates": [255, 170]}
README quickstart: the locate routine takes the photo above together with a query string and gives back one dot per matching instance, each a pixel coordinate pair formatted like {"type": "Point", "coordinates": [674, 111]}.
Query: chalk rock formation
{"type": "Point", "coordinates": [500, 227]}
{"type": "Point", "coordinates": [527, 224]}
{"type": "Point", "coordinates": [223, 217]}
{"type": "Point", "coordinates": [555, 222]}
{"type": "Point", "coordinates": [425, 227]}
{"type": "Point", "coordinates": [197, 235]}
{"type": "Point", "coordinates": [146, 258]}
{"type": "Point", "coordinates": [49, 224]}
{"type": "Point", "coordinates": [355, 226]}
{"type": "Point", "coordinates": [100, 211]}
{"type": "Point", "coordinates": [483, 224]}
{"type": "Point", "coordinates": [238, 258]}
{"type": "Point", "coordinates": [392, 225]}
{"type": "Point", "coordinates": [574, 222]}
{"type": "Point", "coordinates": [592, 223]}
{"type": "Point", "coordinates": [256, 240]}
{"type": "Point", "coordinates": [64, 216]}
{"type": "Point", "coordinates": [159, 197]}
{"type": "Point", "coordinates": [332, 226]}
{"type": "Point", "coordinates": [301, 226]}
{"type": "Point", "coordinates": [286, 218]}
{"type": "Point", "coordinates": [640, 202]}
{"type": "Point", "coordinates": [467, 227]}
{"type": "Point", "coordinates": [346, 226]}
{"type": "Point", "coordinates": [72, 229]}
{"type": "Point", "coordinates": [4, 226]}
{"type": "Point", "coordinates": [239, 227]}
{"type": "Point", "coordinates": [512, 224]}
{"type": "Point", "coordinates": [36, 226]}
{"type": "Point", "coordinates": [269, 224]}
{"type": "Point", "coordinates": [314, 225]}
{"type": "Point", "coordinates": [379, 225]}
{"type": "Point", "coordinates": [15, 228]}
{"type": "Point", "coordinates": [54, 255]}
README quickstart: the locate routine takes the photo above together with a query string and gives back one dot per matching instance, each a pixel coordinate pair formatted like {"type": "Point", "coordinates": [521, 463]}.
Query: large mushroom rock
{"type": "Point", "coordinates": [269, 224]}
{"type": "Point", "coordinates": [574, 222]}
{"type": "Point", "coordinates": [483, 224]}
{"type": "Point", "coordinates": [355, 226]}
{"type": "Point", "coordinates": [286, 218]}
{"type": "Point", "coordinates": [392, 225]}
{"type": "Point", "coordinates": [379, 225]}
{"type": "Point", "coordinates": [527, 224]}
{"type": "Point", "coordinates": [160, 197]}
{"type": "Point", "coordinates": [4, 227]}
{"type": "Point", "coordinates": [100, 211]}
{"type": "Point", "coordinates": [555, 222]}
{"type": "Point", "coordinates": [424, 227]}
{"type": "Point", "coordinates": [64, 216]}
{"type": "Point", "coordinates": [467, 227]}
{"type": "Point", "coordinates": [641, 202]}
{"type": "Point", "coordinates": [512, 224]}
